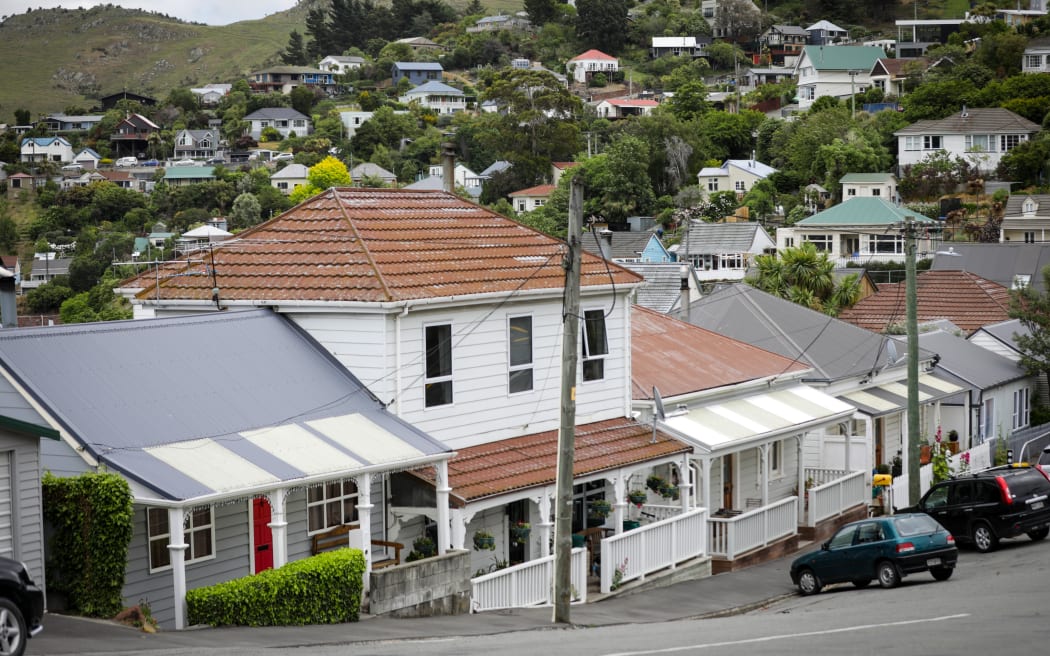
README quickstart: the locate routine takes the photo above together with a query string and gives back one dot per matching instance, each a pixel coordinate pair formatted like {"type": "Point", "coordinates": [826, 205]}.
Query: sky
{"type": "Point", "coordinates": [209, 12]}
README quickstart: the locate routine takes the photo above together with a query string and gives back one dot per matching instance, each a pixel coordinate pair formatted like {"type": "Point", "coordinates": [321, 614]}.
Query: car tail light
{"type": "Point", "coordinates": [1004, 490]}
{"type": "Point", "coordinates": [1043, 472]}
{"type": "Point", "coordinates": [951, 539]}
{"type": "Point", "coordinates": [905, 547]}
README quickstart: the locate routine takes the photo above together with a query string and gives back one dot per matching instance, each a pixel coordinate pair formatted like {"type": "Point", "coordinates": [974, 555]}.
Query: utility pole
{"type": "Point", "coordinates": [567, 430]}
{"type": "Point", "coordinates": [912, 326]}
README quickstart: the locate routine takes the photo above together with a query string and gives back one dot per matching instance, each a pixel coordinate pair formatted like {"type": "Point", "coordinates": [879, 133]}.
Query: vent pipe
{"type": "Point", "coordinates": [605, 238]}
{"type": "Point", "coordinates": [448, 167]}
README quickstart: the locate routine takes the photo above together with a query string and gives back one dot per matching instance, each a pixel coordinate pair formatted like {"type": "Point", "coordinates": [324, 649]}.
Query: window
{"type": "Point", "coordinates": [739, 185]}
{"type": "Point", "coordinates": [733, 261]}
{"type": "Point", "coordinates": [1021, 280]}
{"type": "Point", "coordinates": [851, 192]}
{"type": "Point", "coordinates": [331, 504]}
{"type": "Point", "coordinates": [538, 203]}
{"type": "Point", "coordinates": [438, 378]}
{"type": "Point", "coordinates": [1021, 408]}
{"type": "Point", "coordinates": [1029, 237]}
{"type": "Point", "coordinates": [979, 143]}
{"type": "Point", "coordinates": [876, 192]}
{"type": "Point", "coordinates": [595, 345]}
{"type": "Point", "coordinates": [885, 244]}
{"type": "Point", "coordinates": [1008, 142]}
{"type": "Point", "coordinates": [821, 242]}
{"type": "Point", "coordinates": [519, 343]}
{"type": "Point", "coordinates": [776, 459]}
{"type": "Point", "coordinates": [1032, 61]}
{"type": "Point", "coordinates": [913, 143]}
{"type": "Point", "coordinates": [988, 419]}
{"type": "Point", "coordinates": [712, 184]}
{"type": "Point", "coordinates": [283, 186]}
{"type": "Point", "coordinates": [931, 142]}
{"type": "Point", "coordinates": [789, 242]}
{"type": "Point", "coordinates": [521, 206]}
{"type": "Point", "coordinates": [199, 534]}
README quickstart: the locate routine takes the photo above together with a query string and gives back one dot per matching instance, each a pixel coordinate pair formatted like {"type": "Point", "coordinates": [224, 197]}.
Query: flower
{"type": "Point", "coordinates": [937, 437]}
{"type": "Point", "coordinates": [522, 526]}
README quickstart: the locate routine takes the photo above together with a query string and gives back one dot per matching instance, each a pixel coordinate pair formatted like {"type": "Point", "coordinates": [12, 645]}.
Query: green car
{"type": "Point", "coordinates": [883, 548]}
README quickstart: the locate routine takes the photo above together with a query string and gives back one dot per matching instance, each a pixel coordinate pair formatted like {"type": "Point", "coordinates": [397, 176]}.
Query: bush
{"type": "Point", "coordinates": [322, 589]}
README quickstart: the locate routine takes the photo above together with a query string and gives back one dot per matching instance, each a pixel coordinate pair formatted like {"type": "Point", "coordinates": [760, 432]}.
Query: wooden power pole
{"type": "Point", "coordinates": [912, 328]}
{"type": "Point", "coordinates": [567, 430]}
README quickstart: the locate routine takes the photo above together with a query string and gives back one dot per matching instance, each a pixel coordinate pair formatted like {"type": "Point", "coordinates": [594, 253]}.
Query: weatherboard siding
{"type": "Point", "coordinates": [360, 341]}
{"type": "Point", "coordinates": [26, 520]}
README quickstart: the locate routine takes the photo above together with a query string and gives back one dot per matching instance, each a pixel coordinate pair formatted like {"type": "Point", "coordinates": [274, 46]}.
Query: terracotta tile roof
{"type": "Point", "coordinates": [632, 102]}
{"type": "Point", "coordinates": [967, 300]}
{"type": "Point", "coordinates": [531, 460]}
{"type": "Point", "coordinates": [538, 190]}
{"type": "Point", "coordinates": [377, 245]}
{"type": "Point", "coordinates": [593, 54]}
{"type": "Point", "coordinates": [679, 358]}
{"type": "Point", "coordinates": [564, 165]}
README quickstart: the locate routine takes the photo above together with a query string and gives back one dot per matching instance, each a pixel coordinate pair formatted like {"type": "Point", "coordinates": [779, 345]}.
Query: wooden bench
{"type": "Point", "coordinates": [336, 538]}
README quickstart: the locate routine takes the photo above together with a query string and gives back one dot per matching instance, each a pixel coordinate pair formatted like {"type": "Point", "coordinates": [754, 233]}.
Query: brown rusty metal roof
{"type": "Point", "coordinates": [531, 460]}
{"type": "Point", "coordinates": [376, 245]}
{"type": "Point", "coordinates": [679, 358]}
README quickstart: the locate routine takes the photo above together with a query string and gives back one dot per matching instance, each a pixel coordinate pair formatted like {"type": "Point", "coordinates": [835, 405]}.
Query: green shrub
{"type": "Point", "coordinates": [322, 589]}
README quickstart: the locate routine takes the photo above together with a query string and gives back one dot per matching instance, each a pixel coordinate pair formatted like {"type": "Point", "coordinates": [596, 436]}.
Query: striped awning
{"type": "Point", "coordinates": [888, 398]}
{"type": "Point", "coordinates": [737, 424]}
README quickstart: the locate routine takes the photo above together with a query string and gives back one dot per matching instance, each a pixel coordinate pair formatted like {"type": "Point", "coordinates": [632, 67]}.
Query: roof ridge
{"type": "Point", "coordinates": [364, 245]}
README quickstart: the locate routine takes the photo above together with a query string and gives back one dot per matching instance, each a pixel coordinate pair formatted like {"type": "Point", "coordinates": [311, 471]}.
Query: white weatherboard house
{"type": "Point", "coordinates": [586, 65]}
{"type": "Point", "coordinates": [737, 175]}
{"type": "Point", "coordinates": [981, 136]}
{"type": "Point", "coordinates": [437, 96]}
{"type": "Point", "coordinates": [836, 71]}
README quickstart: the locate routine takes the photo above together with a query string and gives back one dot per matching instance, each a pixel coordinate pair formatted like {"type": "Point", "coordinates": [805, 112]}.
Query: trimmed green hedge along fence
{"type": "Point", "coordinates": [321, 589]}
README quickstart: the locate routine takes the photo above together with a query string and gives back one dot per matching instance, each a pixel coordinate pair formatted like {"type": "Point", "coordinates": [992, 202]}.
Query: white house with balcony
{"type": "Point", "coordinates": [1036, 57]}
{"type": "Point", "coordinates": [285, 120]}
{"type": "Point", "coordinates": [584, 66]}
{"type": "Point", "coordinates": [437, 96]}
{"type": "Point", "coordinates": [870, 185]}
{"type": "Point", "coordinates": [836, 71]}
{"type": "Point", "coordinates": [341, 64]}
{"type": "Point", "coordinates": [46, 149]}
{"type": "Point", "coordinates": [724, 251]}
{"type": "Point", "coordinates": [980, 135]}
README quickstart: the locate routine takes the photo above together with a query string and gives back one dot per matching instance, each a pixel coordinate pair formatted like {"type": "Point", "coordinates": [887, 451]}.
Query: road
{"type": "Point", "coordinates": [996, 603]}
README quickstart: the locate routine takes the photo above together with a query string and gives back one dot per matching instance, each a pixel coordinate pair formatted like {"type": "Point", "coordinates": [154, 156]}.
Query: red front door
{"type": "Point", "coordinates": [263, 534]}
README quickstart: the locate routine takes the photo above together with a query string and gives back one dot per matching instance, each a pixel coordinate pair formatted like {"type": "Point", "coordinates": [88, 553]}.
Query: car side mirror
{"type": "Point", "coordinates": [825, 546]}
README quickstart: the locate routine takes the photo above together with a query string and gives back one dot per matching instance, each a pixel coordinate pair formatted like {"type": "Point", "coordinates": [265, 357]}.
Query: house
{"type": "Point", "coordinates": [861, 228]}
{"type": "Point", "coordinates": [109, 102]}
{"type": "Point", "coordinates": [963, 298]}
{"type": "Point", "coordinates": [527, 200]}
{"type": "Point", "coordinates": [229, 478]}
{"type": "Point", "coordinates": [869, 185]}
{"type": "Point", "coordinates": [783, 43]}
{"type": "Point", "coordinates": [181, 176]}
{"type": "Point", "coordinates": [723, 251]}
{"type": "Point", "coordinates": [282, 79]}
{"type": "Point", "coordinates": [340, 64]}
{"type": "Point", "coordinates": [196, 144]}
{"type": "Point", "coordinates": [134, 136]}
{"type": "Point", "coordinates": [374, 171]}
{"type": "Point", "coordinates": [200, 238]}
{"type": "Point", "coordinates": [11, 263]}
{"type": "Point", "coordinates": [122, 179]}
{"type": "Point", "coordinates": [826, 33]}
{"type": "Point", "coordinates": [915, 36]}
{"type": "Point", "coordinates": [285, 120]}
{"type": "Point", "coordinates": [669, 287]}
{"type": "Point", "coordinates": [624, 107]}
{"type": "Point", "coordinates": [1000, 398]}
{"type": "Point", "coordinates": [855, 365]}
{"type": "Point", "coordinates": [626, 246]}
{"type": "Point", "coordinates": [416, 72]}
{"type": "Point", "coordinates": [1026, 219]}
{"type": "Point", "coordinates": [980, 135]}
{"type": "Point", "coordinates": [500, 22]}
{"type": "Point", "coordinates": [558, 169]}
{"type": "Point", "coordinates": [1012, 264]}
{"type": "Point", "coordinates": [63, 123]}
{"type": "Point", "coordinates": [87, 158]}
{"type": "Point", "coordinates": [422, 45]}
{"type": "Point", "coordinates": [738, 175]}
{"type": "Point", "coordinates": [45, 270]}
{"type": "Point", "coordinates": [1036, 57]}
{"type": "Point", "coordinates": [292, 176]}
{"type": "Point", "coordinates": [754, 77]}
{"type": "Point", "coordinates": [436, 96]}
{"type": "Point", "coordinates": [211, 94]}
{"type": "Point", "coordinates": [891, 74]}
{"type": "Point", "coordinates": [836, 71]}
{"type": "Point", "coordinates": [460, 174]}
{"type": "Point", "coordinates": [679, 46]}
{"type": "Point", "coordinates": [816, 197]}
{"type": "Point", "coordinates": [584, 66]}
{"type": "Point", "coordinates": [46, 149]}
{"type": "Point", "coordinates": [712, 10]}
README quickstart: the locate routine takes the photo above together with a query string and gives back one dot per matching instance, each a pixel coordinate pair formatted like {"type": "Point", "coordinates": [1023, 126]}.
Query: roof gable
{"type": "Point", "coordinates": [863, 211]}
{"type": "Point", "coordinates": [975, 120]}
{"type": "Point", "coordinates": [843, 58]}
{"type": "Point", "coordinates": [593, 55]}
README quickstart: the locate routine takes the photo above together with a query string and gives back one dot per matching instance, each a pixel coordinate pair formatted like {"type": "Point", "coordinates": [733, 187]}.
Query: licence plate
{"type": "Point", "coordinates": [933, 562]}
{"type": "Point", "coordinates": [1037, 505]}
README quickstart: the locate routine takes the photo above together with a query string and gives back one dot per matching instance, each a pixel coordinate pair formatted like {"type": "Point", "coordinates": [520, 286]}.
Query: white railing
{"type": "Point", "coordinates": [835, 497]}
{"type": "Point", "coordinates": [732, 536]}
{"type": "Point", "coordinates": [821, 476]}
{"type": "Point", "coordinates": [634, 554]}
{"type": "Point", "coordinates": [655, 513]}
{"type": "Point", "coordinates": [528, 584]}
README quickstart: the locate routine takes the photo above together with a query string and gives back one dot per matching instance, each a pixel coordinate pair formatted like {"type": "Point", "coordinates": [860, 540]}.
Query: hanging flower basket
{"type": "Point", "coordinates": [519, 532]}
{"type": "Point", "coordinates": [600, 508]}
{"type": "Point", "coordinates": [637, 497]}
{"type": "Point", "coordinates": [655, 482]}
{"type": "Point", "coordinates": [669, 491]}
{"type": "Point", "coordinates": [483, 540]}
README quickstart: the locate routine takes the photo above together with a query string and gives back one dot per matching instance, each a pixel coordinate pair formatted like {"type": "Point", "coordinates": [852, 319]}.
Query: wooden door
{"type": "Point", "coordinates": [728, 465]}
{"type": "Point", "coordinates": [262, 533]}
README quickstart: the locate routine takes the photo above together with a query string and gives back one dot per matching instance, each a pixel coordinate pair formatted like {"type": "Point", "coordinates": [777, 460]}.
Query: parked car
{"type": "Point", "coordinates": [218, 159]}
{"type": "Point", "coordinates": [986, 506]}
{"type": "Point", "coordinates": [279, 157]}
{"type": "Point", "coordinates": [151, 162]}
{"type": "Point", "coordinates": [883, 548]}
{"type": "Point", "coordinates": [125, 162]}
{"type": "Point", "coordinates": [185, 162]}
{"type": "Point", "coordinates": [21, 607]}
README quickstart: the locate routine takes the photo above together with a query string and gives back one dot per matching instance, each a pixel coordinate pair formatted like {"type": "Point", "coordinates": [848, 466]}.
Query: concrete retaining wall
{"type": "Point", "coordinates": [424, 588]}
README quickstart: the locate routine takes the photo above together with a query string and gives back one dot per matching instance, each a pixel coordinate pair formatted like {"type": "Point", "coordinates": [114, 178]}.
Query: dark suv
{"type": "Point", "coordinates": [983, 507]}
{"type": "Point", "coordinates": [21, 607]}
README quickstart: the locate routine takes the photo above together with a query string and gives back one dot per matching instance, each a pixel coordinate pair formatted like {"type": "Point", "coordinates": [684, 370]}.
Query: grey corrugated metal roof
{"type": "Point", "coordinates": [625, 245]}
{"type": "Point", "coordinates": [272, 113]}
{"type": "Point", "coordinates": [834, 348]}
{"type": "Point", "coordinates": [709, 238]}
{"type": "Point", "coordinates": [663, 282]}
{"type": "Point", "coordinates": [1004, 331]}
{"type": "Point", "coordinates": [977, 366]}
{"type": "Point", "coordinates": [976, 121]}
{"type": "Point", "coordinates": [1015, 201]}
{"type": "Point", "coordinates": [143, 396]}
{"type": "Point", "coordinates": [997, 262]}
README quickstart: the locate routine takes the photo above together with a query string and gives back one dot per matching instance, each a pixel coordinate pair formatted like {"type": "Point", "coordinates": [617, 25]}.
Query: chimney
{"type": "Point", "coordinates": [605, 243]}
{"type": "Point", "coordinates": [448, 166]}
{"type": "Point", "coordinates": [683, 293]}
{"type": "Point", "coordinates": [8, 301]}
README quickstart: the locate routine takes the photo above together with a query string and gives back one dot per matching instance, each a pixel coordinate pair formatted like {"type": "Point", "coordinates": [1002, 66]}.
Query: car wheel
{"type": "Point", "coordinates": [984, 539]}
{"type": "Point", "coordinates": [1039, 533]}
{"type": "Point", "coordinates": [808, 583]}
{"type": "Point", "coordinates": [889, 577]}
{"type": "Point", "coordinates": [12, 629]}
{"type": "Point", "coordinates": [942, 573]}
{"type": "Point", "coordinates": [861, 583]}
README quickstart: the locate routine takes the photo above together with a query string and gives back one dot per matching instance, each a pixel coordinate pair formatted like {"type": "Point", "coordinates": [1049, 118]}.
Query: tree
{"type": "Point", "coordinates": [303, 99]}
{"type": "Point", "coordinates": [246, 211]}
{"type": "Point", "coordinates": [936, 174]}
{"type": "Point", "coordinates": [602, 24]}
{"type": "Point", "coordinates": [804, 276]}
{"type": "Point", "coordinates": [738, 20]}
{"type": "Point", "coordinates": [1032, 308]}
{"type": "Point", "coordinates": [1027, 162]}
{"type": "Point", "coordinates": [328, 173]}
{"type": "Point", "coordinates": [295, 53]}
{"type": "Point", "coordinates": [22, 117]}
{"type": "Point", "coordinates": [689, 101]}
{"type": "Point", "coordinates": [541, 11]}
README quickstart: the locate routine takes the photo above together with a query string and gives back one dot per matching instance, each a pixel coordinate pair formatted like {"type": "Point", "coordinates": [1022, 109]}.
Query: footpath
{"type": "Point", "coordinates": [715, 596]}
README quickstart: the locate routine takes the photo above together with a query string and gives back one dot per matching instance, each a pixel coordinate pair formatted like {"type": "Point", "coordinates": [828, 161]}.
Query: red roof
{"type": "Point", "coordinates": [375, 246]}
{"type": "Point", "coordinates": [632, 102]}
{"type": "Point", "coordinates": [593, 54]}
{"type": "Point", "coordinates": [528, 461]}
{"type": "Point", "coordinates": [965, 299]}
{"type": "Point", "coordinates": [679, 358]}
{"type": "Point", "coordinates": [564, 165]}
{"type": "Point", "coordinates": [539, 190]}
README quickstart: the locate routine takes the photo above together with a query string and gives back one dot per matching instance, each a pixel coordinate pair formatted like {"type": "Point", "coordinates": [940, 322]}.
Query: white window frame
{"type": "Point", "coordinates": [913, 142]}
{"type": "Point", "coordinates": [190, 531]}
{"type": "Point", "coordinates": [594, 354]}
{"type": "Point", "coordinates": [514, 334]}
{"type": "Point", "coordinates": [1021, 410]}
{"type": "Point", "coordinates": [932, 142]}
{"type": "Point", "coordinates": [888, 244]}
{"type": "Point", "coordinates": [980, 143]}
{"type": "Point", "coordinates": [439, 378]}
{"type": "Point", "coordinates": [823, 243]}
{"type": "Point", "coordinates": [1008, 142]}
{"type": "Point", "coordinates": [776, 459]}
{"type": "Point", "coordinates": [347, 493]}
{"type": "Point", "coordinates": [988, 419]}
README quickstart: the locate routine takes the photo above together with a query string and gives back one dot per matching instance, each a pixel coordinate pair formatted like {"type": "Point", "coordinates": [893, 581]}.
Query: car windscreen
{"type": "Point", "coordinates": [908, 525]}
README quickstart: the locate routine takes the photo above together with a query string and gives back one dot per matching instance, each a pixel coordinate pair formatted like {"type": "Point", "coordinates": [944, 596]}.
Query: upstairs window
{"type": "Point", "coordinates": [595, 345]}
{"type": "Point", "coordinates": [519, 343]}
{"type": "Point", "coordinates": [438, 376]}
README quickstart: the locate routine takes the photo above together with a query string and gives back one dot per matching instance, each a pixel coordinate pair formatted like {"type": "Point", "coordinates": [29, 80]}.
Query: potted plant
{"type": "Point", "coordinates": [655, 482]}
{"type": "Point", "coordinates": [484, 540]}
{"type": "Point", "coordinates": [519, 532]}
{"type": "Point", "coordinates": [422, 547]}
{"type": "Point", "coordinates": [637, 497]}
{"type": "Point", "coordinates": [925, 452]}
{"type": "Point", "coordinates": [600, 508]}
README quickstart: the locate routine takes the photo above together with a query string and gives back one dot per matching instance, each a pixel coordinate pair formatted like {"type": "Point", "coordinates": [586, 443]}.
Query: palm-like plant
{"type": "Point", "coordinates": [805, 276]}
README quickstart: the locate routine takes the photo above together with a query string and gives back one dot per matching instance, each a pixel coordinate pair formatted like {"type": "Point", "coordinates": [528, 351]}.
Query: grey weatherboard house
{"type": "Point", "coordinates": [240, 436]}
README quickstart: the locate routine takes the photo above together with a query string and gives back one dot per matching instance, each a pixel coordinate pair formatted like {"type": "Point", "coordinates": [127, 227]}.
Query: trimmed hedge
{"type": "Point", "coordinates": [321, 589]}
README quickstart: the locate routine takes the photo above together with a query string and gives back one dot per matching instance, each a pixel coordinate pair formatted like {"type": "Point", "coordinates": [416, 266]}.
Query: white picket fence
{"type": "Point", "coordinates": [660, 545]}
{"type": "Point", "coordinates": [528, 584]}
{"type": "Point", "coordinates": [730, 537]}
{"type": "Point", "coordinates": [834, 496]}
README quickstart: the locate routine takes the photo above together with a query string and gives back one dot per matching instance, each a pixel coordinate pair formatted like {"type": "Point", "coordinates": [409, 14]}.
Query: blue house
{"type": "Point", "coordinates": [416, 72]}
